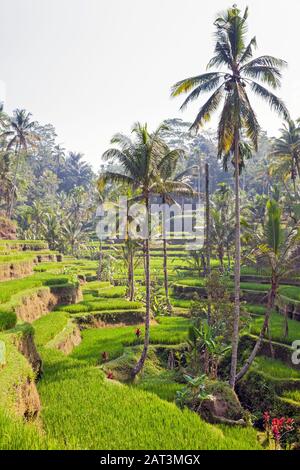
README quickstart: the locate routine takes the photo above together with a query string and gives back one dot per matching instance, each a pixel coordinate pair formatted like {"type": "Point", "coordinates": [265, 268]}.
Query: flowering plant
{"type": "Point", "coordinates": [281, 430]}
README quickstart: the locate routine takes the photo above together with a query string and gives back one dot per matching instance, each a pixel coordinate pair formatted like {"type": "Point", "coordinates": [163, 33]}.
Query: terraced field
{"type": "Point", "coordinates": [80, 407]}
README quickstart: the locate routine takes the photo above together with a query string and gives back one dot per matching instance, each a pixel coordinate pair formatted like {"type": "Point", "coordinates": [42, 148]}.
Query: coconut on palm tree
{"type": "Point", "coordinates": [237, 72]}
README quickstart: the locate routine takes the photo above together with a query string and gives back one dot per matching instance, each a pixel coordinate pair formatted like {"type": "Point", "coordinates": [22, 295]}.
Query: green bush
{"type": "Point", "coordinates": [7, 320]}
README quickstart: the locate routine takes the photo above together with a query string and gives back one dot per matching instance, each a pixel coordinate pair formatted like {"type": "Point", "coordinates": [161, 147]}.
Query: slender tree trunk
{"type": "Point", "coordinates": [286, 322]}
{"type": "Point", "coordinates": [207, 241]}
{"type": "Point", "coordinates": [131, 277]}
{"type": "Point", "coordinates": [166, 277]}
{"type": "Point", "coordinates": [237, 264]}
{"type": "Point", "coordinates": [142, 359]}
{"type": "Point", "coordinates": [271, 300]}
{"type": "Point", "coordinates": [207, 218]}
{"type": "Point", "coordinates": [297, 165]}
{"type": "Point", "coordinates": [221, 257]}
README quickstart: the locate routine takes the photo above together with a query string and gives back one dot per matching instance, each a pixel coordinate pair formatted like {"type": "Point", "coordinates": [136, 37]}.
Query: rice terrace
{"type": "Point", "coordinates": [150, 280]}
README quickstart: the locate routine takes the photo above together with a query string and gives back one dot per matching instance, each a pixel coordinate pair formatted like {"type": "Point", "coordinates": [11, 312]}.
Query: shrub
{"type": "Point", "coordinates": [7, 320]}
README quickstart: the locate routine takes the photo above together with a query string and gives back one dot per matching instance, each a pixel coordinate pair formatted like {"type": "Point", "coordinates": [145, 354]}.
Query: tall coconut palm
{"type": "Point", "coordinates": [241, 72]}
{"type": "Point", "coordinates": [276, 248]}
{"type": "Point", "coordinates": [286, 151]}
{"type": "Point", "coordinates": [21, 135]}
{"type": "Point", "coordinates": [140, 159]}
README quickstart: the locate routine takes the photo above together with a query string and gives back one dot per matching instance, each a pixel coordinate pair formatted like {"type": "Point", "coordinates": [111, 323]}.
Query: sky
{"type": "Point", "coordinates": [94, 67]}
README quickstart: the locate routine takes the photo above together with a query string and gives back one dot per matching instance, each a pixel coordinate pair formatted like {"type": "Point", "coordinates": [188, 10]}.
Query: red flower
{"type": "Point", "coordinates": [110, 375]}
{"type": "Point", "coordinates": [289, 424]}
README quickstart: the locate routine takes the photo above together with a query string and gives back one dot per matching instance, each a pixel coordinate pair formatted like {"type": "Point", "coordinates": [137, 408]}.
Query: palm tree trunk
{"type": "Point", "coordinates": [207, 216]}
{"type": "Point", "coordinates": [237, 264]}
{"type": "Point", "coordinates": [286, 323]}
{"type": "Point", "coordinates": [297, 165]}
{"type": "Point", "coordinates": [166, 279]}
{"type": "Point", "coordinates": [142, 359]}
{"type": "Point", "coordinates": [271, 300]}
{"type": "Point", "coordinates": [131, 277]}
{"type": "Point", "coordinates": [207, 241]}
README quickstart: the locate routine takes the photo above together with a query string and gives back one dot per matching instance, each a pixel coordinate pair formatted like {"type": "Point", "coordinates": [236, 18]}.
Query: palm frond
{"type": "Point", "coordinates": [207, 86]}
{"type": "Point", "coordinates": [269, 75]}
{"type": "Point", "coordinates": [184, 86]}
{"type": "Point", "coordinates": [223, 55]}
{"type": "Point", "coordinates": [112, 177]}
{"type": "Point", "coordinates": [274, 102]}
{"type": "Point", "coordinates": [208, 108]}
{"type": "Point", "coordinates": [267, 61]}
{"type": "Point", "coordinates": [248, 51]}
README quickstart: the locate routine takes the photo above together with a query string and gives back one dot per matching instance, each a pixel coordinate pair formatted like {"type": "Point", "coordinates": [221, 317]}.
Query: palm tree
{"type": "Point", "coordinates": [21, 135]}
{"type": "Point", "coordinates": [140, 159]}
{"type": "Point", "coordinates": [73, 233]}
{"type": "Point", "coordinates": [286, 151]}
{"type": "Point", "coordinates": [237, 117]}
{"type": "Point", "coordinates": [276, 247]}
{"type": "Point", "coordinates": [75, 172]}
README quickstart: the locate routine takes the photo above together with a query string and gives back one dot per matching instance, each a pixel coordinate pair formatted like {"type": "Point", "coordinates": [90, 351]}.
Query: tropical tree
{"type": "Point", "coordinates": [73, 233]}
{"type": "Point", "coordinates": [237, 119]}
{"type": "Point", "coordinates": [276, 248]}
{"type": "Point", "coordinates": [75, 172]}
{"type": "Point", "coordinates": [140, 159]}
{"type": "Point", "coordinates": [286, 151]}
{"type": "Point", "coordinates": [21, 135]}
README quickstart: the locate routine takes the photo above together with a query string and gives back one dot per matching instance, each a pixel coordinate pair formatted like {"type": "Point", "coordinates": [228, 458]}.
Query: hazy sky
{"type": "Point", "coordinates": [94, 67]}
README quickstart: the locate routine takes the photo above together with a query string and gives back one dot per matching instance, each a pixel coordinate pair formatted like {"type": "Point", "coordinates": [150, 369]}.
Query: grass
{"type": "Point", "coordinates": [10, 288]}
{"type": "Point", "coordinates": [256, 309]}
{"type": "Point", "coordinates": [101, 304]}
{"type": "Point", "coordinates": [163, 385]}
{"type": "Point", "coordinates": [101, 289]}
{"type": "Point", "coordinates": [292, 395]}
{"type": "Point", "coordinates": [277, 328]}
{"type": "Point", "coordinates": [94, 413]}
{"type": "Point", "coordinates": [48, 326]}
{"type": "Point", "coordinates": [17, 435]}
{"type": "Point", "coordinates": [14, 373]}
{"type": "Point", "coordinates": [171, 330]}
{"type": "Point", "coordinates": [255, 286]}
{"type": "Point", "coordinates": [290, 292]}
{"type": "Point", "coordinates": [276, 369]}
{"type": "Point", "coordinates": [81, 409]}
